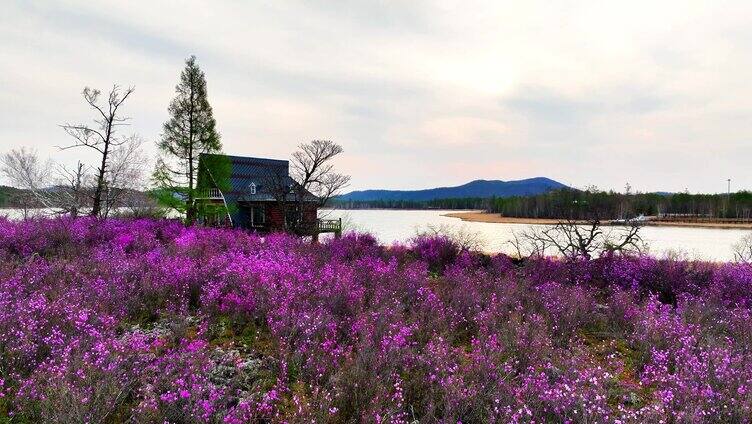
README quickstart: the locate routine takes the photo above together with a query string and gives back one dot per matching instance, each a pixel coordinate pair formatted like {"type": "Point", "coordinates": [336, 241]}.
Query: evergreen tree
{"type": "Point", "coordinates": [190, 131]}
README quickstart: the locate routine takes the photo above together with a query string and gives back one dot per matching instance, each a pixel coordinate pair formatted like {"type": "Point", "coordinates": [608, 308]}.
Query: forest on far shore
{"type": "Point", "coordinates": [584, 204]}
{"type": "Point", "coordinates": [555, 204]}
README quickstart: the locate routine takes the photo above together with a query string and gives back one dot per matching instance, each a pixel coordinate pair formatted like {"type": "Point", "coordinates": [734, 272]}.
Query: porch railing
{"type": "Point", "coordinates": [210, 194]}
{"type": "Point", "coordinates": [330, 226]}
{"type": "Point", "coordinates": [214, 195]}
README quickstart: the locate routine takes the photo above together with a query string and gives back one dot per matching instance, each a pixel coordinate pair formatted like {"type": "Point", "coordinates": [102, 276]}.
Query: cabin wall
{"type": "Point", "coordinates": [275, 217]}
{"type": "Point", "coordinates": [310, 213]}
{"type": "Point", "coordinates": [274, 214]}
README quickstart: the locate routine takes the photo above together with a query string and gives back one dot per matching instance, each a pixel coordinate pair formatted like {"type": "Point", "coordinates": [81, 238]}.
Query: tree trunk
{"type": "Point", "coordinates": [190, 212]}
{"type": "Point", "coordinates": [97, 207]}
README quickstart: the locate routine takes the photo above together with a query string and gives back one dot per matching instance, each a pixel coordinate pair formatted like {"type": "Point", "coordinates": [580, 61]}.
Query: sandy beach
{"type": "Point", "coordinates": [479, 216]}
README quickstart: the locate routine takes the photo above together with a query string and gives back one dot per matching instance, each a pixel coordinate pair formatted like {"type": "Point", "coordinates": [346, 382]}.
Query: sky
{"type": "Point", "coordinates": [419, 94]}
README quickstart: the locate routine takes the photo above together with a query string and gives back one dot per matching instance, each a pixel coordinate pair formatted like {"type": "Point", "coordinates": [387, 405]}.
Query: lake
{"type": "Point", "coordinates": [389, 225]}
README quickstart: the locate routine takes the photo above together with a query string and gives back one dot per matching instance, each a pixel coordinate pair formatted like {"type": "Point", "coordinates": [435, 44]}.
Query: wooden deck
{"type": "Point", "coordinates": [330, 226]}
{"type": "Point", "coordinates": [209, 194]}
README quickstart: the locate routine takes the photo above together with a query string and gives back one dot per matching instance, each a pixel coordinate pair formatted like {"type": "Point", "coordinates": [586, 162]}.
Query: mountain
{"type": "Point", "coordinates": [477, 188]}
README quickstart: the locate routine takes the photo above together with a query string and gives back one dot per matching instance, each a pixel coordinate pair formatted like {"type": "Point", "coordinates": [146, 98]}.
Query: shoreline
{"type": "Point", "coordinates": [498, 219]}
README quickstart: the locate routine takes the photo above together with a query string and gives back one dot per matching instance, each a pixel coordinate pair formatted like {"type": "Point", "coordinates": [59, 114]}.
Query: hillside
{"type": "Point", "coordinates": [7, 195]}
{"type": "Point", "coordinates": [476, 189]}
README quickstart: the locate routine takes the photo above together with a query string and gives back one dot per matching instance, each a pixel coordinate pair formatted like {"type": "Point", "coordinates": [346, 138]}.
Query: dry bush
{"type": "Point", "coordinates": [461, 235]}
{"type": "Point", "coordinates": [743, 250]}
{"type": "Point", "coordinates": [573, 239]}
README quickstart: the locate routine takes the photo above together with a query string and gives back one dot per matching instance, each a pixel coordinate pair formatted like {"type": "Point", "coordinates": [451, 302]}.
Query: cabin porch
{"type": "Point", "coordinates": [269, 217]}
{"type": "Point", "coordinates": [262, 216]}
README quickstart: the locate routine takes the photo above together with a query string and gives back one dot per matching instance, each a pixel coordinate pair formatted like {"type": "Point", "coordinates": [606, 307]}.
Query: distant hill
{"type": "Point", "coordinates": [477, 188]}
{"type": "Point", "coordinates": [7, 194]}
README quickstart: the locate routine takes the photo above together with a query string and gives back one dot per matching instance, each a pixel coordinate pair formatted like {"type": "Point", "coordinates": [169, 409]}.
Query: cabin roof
{"type": "Point", "coordinates": [266, 174]}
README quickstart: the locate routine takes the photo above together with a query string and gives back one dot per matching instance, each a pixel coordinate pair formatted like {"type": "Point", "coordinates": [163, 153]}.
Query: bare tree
{"type": "Point", "coordinates": [526, 244]}
{"type": "Point", "coordinates": [462, 235]}
{"type": "Point", "coordinates": [101, 137]}
{"type": "Point", "coordinates": [624, 239]}
{"type": "Point", "coordinates": [125, 174]}
{"type": "Point", "coordinates": [71, 192]}
{"type": "Point", "coordinates": [23, 169]}
{"type": "Point", "coordinates": [313, 179]}
{"type": "Point", "coordinates": [282, 188]}
{"type": "Point", "coordinates": [23, 201]}
{"type": "Point", "coordinates": [313, 170]}
{"type": "Point", "coordinates": [574, 239]}
{"type": "Point", "coordinates": [56, 188]}
{"type": "Point", "coordinates": [743, 250]}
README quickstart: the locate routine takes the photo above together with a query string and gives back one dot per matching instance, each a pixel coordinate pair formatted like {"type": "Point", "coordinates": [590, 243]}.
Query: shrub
{"type": "Point", "coordinates": [150, 321]}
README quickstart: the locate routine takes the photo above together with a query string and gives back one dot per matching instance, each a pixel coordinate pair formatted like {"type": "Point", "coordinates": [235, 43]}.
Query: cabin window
{"type": "Point", "coordinates": [253, 188]}
{"type": "Point", "coordinates": [258, 216]}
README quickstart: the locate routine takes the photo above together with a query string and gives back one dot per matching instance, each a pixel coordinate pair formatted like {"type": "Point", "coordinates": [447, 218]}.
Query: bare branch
{"type": "Point", "coordinates": [743, 250]}
{"type": "Point", "coordinates": [312, 180]}
{"type": "Point", "coordinates": [102, 138]}
{"type": "Point", "coordinates": [463, 236]}
{"type": "Point", "coordinates": [126, 172]}
{"type": "Point", "coordinates": [572, 239]}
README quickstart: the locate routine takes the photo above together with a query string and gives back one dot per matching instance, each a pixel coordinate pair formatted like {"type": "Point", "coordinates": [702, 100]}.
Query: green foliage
{"type": "Point", "coordinates": [10, 196]}
{"type": "Point", "coordinates": [214, 171]}
{"type": "Point", "coordinates": [190, 132]}
{"type": "Point", "coordinates": [3, 196]}
{"type": "Point", "coordinates": [4, 406]}
{"type": "Point", "coordinates": [579, 204]}
{"type": "Point", "coordinates": [217, 211]}
{"type": "Point", "coordinates": [455, 203]}
{"type": "Point", "coordinates": [171, 198]}
{"type": "Point", "coordinates": [582, 204]}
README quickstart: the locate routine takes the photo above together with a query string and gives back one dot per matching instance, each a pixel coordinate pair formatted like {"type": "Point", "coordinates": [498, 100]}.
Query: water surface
{"type": "Point", "coordinates": [389, 225]}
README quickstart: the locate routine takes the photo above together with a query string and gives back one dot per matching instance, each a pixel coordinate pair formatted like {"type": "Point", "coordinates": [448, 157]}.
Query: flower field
{"type": "Point", "coordinates": [149, 321]}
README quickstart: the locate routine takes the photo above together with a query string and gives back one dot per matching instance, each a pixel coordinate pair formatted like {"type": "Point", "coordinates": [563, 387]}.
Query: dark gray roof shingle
{"type": "Point", "coordinates": [267, 174]}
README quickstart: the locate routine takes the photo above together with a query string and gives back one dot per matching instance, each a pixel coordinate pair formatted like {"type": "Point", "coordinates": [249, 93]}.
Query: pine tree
{"type": "Point", "coordinates": [190, 131]}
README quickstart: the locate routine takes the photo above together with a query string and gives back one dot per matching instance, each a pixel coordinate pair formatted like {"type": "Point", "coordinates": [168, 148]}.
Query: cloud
{"type": "Point", "coordinates": [548, 106]}
{"type": "Point", "coordinates": [419, 93]}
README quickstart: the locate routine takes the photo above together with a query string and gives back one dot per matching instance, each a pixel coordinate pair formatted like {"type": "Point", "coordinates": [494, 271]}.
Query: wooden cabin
{"type": "Point", "coordinates": [258, 195]}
